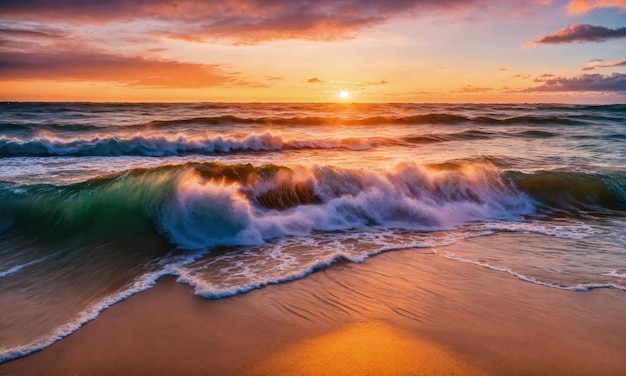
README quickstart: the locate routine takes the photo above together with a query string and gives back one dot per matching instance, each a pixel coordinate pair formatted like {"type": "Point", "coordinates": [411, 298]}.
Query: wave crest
{"type": "Point", "coordinates": [158, 146]}
{"type": "Point", "coordinates": [203, 205]}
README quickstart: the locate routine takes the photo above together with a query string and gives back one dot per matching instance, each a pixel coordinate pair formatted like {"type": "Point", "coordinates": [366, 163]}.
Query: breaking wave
{"type": "Point", "coordinates": [162, 145]}
{"type": "Point", "coordinates": [203, 205]}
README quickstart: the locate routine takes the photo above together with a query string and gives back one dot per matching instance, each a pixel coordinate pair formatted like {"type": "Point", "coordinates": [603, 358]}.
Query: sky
{"type": "Point", "coordinates": [571, 51]}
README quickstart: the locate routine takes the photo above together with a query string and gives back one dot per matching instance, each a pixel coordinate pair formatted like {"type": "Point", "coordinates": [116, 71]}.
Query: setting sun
{"type": "Point", "coordinates": [343, 94]}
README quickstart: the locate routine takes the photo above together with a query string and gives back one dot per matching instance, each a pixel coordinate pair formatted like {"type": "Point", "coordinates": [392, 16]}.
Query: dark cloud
{"type": "Point", "coordinates": [30, 33]}
{"type": "Point", "coordinates": [247, 21]}
{"type": "Point", "coordinates": [97, 66]}
{"type": "Point", "coordinates": [597, 63]}
{"type": "Point", "coordinates": [581, 33]}
{"type": "Point", "coordinates": [586, 82]}
{"type": "Point", "coordinates": [313, 80]}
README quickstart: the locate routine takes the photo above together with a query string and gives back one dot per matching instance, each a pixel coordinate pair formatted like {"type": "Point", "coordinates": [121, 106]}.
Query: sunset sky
{"type": "Point", "coordinates": [294, 51]}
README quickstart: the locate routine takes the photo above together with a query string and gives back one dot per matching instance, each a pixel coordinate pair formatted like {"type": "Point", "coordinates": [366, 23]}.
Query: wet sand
{"type": "Point", "coordinates": [399, 313]}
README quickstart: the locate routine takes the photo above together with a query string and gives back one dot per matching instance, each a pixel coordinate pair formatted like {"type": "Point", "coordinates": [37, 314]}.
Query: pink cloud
{"type": "Point", "coordinates": [594, 64]}
{"type": "Point", "coordinates": [244, 21]}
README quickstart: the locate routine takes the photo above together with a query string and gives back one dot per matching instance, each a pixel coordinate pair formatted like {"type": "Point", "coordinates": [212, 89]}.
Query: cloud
{"type": "Point", "coordinates": [580, 33]}
{"type": "Point", "coordinates": [369, 83]}
{"type": "Point", "coordinates": [34, 33]}
{"type": "Point", "coordinates": [469, 89]}
{"type": "Point", "coordinates": [586, 82]}
{"type": "Point", "coordinates": [99, 66]}
{"type": "Point", "coordinates": [597, 63]}
{"type": "Point", "coordinates": [186, 38]}
{"type": "Point", "coordinates": [584, 6]}
{"type": "Point", "coordinates": [313, 80]}
{"type": "Point", "coordinates": [245, 21]}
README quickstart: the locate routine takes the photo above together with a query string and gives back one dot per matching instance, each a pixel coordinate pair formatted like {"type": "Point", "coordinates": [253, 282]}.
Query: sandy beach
{"type": "Point", "coordinates": [423, 315]}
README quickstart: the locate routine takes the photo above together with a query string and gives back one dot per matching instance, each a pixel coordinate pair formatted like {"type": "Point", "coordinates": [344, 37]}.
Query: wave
{"type": "Point", "coordinates": [158, 146]}
{"type": "Point", "coordinates": [431, 118]}
{"type": "Point", "coordinates": [172, 145]}
{"type": "Point", "coordinates": [204, 205]}
{"type": "Point", "coordinates": [466, 135]}
{"type": "Point", "coordinates": [417, 119]}
{"type": "Point", "coordinates": [574, 190]}
{"type": "Point", "coordinates": [197, 207]}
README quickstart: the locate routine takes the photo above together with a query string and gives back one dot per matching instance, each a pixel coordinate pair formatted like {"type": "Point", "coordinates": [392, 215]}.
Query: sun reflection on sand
{"type": "Point", "coordinates": [372, 348]}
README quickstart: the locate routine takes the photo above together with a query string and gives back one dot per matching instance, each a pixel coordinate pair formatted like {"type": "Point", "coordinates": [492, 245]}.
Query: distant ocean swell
{"type": "Point", "coordinates": [418, 119]}
{"type": "Point", "coordinates": [433, 118]}
{"type": "Point", "coordinates": [162, 145]}
{"type": "Point", "coordinates": [203, 205]}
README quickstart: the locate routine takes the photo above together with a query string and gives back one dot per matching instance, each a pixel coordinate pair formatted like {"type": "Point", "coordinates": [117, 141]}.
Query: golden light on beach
{"type": "Point", "coordinates": [343, 94]}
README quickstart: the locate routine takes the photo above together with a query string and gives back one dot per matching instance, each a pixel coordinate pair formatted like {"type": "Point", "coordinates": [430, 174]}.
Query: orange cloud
{"type": "Point", "coordinates": [473, 89]}
{"type": "Point", "coordinates": [186, 38]}
{"type": "Point", "coordinates": [98, 66]}
{"type": "Point", "coordinates": [584, 6]}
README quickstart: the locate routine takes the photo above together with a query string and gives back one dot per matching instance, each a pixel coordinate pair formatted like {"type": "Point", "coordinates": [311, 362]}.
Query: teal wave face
{"type": "Point", "coordinates": [107, 208]}
{"type": "Point", "coordinates": [572, 191]}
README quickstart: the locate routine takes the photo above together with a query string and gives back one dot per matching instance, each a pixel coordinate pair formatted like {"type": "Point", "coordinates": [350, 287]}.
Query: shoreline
{"type": "Point", "coordinates": [400, 312]}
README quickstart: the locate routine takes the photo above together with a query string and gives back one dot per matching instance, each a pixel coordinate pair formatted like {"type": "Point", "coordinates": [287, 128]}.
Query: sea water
{"type": "Point", "coordinates": [98, 201]}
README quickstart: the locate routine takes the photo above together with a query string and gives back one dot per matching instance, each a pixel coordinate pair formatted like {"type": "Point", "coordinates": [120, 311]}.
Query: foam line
{"type": "Point", "coordinates": [525, 278]}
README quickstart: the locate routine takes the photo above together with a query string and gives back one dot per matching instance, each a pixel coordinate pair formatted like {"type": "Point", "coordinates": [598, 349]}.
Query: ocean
{"type": "Point", "coordinates": [100, 200]}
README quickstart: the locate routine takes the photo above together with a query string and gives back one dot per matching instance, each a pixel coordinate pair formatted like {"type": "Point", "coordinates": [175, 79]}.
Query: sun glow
{"type": "Point", "coordinates": [343, 94]}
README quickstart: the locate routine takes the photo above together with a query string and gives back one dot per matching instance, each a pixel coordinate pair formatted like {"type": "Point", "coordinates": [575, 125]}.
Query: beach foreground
{"type": "Point", "coordinates": [399, 313]}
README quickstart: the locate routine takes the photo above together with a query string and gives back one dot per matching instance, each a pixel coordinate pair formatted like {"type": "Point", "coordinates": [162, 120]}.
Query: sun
{"type": "Point", "coordinates": [343, 94]}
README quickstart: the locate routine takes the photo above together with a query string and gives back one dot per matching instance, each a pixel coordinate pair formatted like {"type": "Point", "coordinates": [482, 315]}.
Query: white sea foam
{"type": "Point", "coordinates": [615, 273]}
{"type": "Point", "coordinates": [17, 268]}
{"type": "Point", "coordinates": [161, 145]}
{"type": "Point", "coordinates": [140, 284]}
{"type": "Point", "coordinates": [575, 231]}
{"type": "Point", "coordinates": [293, 258]}
{"type": "Point", "coordinates": [206, 213]}
{"type": "Point", "coordinates": [530, 279]}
